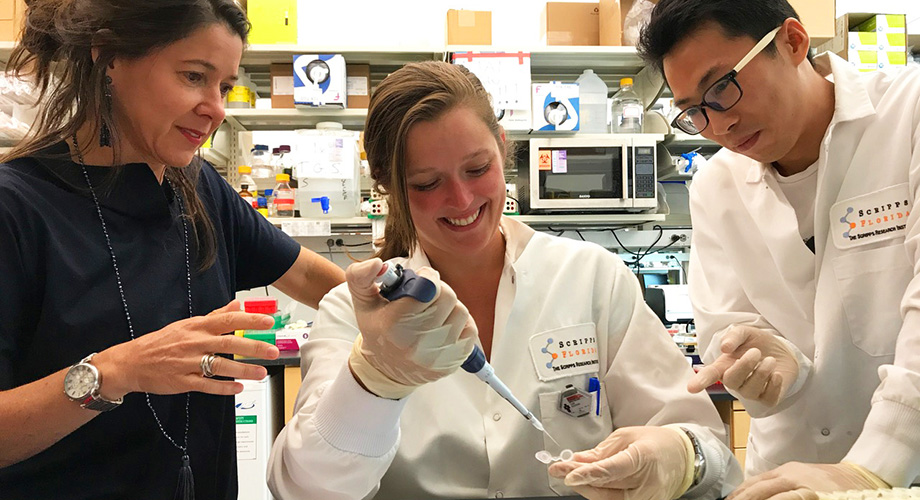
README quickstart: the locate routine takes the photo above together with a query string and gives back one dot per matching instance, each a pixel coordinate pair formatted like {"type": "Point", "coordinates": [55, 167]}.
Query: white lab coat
{"type": "Point", "coordinates": [851, 311]}
{"type": "Point", "coordinates": [457, 438]}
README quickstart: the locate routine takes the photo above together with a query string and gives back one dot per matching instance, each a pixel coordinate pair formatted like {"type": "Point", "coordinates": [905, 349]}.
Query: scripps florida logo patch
{"type": "Point", "coordinates": [878, 216]}
{"type": "Point", "coordinates": [566, 351]}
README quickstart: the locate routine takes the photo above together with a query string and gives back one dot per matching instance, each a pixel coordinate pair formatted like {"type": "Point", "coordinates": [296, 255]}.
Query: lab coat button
{"type": "Point", "coordinates": [497, 417]}
{"type": "Point", "coordinates": [825, 432]}
{"type": "Point", "coordinates": [499, 494]}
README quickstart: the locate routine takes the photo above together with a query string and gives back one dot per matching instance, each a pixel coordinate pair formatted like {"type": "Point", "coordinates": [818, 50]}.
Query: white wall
{"type": "Point", "coordinates": [413, 24]}
{"type": "Point", "coordinates": [421, 24]}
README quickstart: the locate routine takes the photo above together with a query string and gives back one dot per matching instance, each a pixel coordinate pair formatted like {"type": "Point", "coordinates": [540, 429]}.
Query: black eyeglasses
{"type": "Point", "coordinates": [721, 95]}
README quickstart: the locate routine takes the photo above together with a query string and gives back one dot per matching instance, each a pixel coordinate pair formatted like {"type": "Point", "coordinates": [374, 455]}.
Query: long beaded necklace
{"type": "Point", "coordinates": [185, 490]}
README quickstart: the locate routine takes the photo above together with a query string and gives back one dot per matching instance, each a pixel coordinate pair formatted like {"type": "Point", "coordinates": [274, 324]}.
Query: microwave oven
{"type": "Point", "coordinates": [610, 172]}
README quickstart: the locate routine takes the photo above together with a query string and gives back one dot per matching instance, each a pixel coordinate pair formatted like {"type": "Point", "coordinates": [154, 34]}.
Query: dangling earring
{"type": "Point", "coordinates": [105, 135]}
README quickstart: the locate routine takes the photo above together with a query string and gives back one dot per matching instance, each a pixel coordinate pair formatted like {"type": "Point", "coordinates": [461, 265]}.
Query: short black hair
{"type": "Point", "coordinates": [673, 21]}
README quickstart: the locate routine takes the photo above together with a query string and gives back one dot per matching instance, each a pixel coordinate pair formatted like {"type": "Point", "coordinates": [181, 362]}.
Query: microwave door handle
{"type": "Point", "coordinates": [627, 174]}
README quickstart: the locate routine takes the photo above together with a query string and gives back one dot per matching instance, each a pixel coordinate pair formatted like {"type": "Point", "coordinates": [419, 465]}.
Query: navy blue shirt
{"type": "Point", "coordinates": [59, 302]}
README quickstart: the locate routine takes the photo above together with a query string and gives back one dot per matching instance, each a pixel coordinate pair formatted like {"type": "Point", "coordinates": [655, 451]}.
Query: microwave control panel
{"type": "Point", "coordinates": [645, 171]}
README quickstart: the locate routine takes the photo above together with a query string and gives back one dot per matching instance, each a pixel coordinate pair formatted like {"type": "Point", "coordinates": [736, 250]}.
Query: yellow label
{"type": "Point", "coordinates": [239, 94]}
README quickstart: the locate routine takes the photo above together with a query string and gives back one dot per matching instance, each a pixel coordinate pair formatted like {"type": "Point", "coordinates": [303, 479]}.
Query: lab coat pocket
{"type": "Point", "coordinates": [871, 285]}
{"type": "Point", "coordinates": [573, 433]}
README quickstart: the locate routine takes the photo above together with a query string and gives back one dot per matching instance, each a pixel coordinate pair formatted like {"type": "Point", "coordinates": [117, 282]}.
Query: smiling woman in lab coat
{"type": "Point", "coordinates": [376, 416]}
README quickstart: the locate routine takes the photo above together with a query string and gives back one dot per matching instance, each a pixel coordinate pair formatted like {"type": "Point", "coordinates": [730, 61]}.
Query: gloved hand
{"type": "Point", "coordinates": [405, 343]}
{"type": "Point", "coordinates": [798, 481]}
{"type": "Point", "coordinates": [633, 463]}
{"type": "Point", "coordinates": [754, 362]}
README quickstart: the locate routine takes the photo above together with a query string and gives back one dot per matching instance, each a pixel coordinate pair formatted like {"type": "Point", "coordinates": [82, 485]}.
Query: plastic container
{"type": "Point", "coordinates": [267, 305]}
{"type": "Point", "coordinates": [283, 197]}
{"type": "Point", "coordinates": [627, 110]}
{"type": "Point", "coordinates": [341, 200]}
{"type": "Point", "coordinates": [592, 102]}
{"type": "Point", "coordinates": [261, 162]}
{"type": "Point", "coordinates": [240, 95]}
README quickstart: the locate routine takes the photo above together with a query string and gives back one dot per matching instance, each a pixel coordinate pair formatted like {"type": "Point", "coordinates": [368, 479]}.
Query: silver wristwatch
{"type": "Point", "coordinates": [82, 383]}
{"type": "Point", "coordinates": [699, 460]}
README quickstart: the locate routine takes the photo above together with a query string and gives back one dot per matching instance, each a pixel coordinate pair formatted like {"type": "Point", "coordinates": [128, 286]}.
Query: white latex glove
{"type": "Point", "coordinates": [798, 481]}
{"type": "Point", "coordinates": [754, 363]}
{"type": "Point", "coordinates": [633, 463]}
{"type": "Point", "coordinates": [405, 343]}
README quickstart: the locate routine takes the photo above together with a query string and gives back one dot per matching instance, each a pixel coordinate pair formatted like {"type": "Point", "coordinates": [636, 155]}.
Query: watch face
{"type": "Point", "coordinates": [79, 381]}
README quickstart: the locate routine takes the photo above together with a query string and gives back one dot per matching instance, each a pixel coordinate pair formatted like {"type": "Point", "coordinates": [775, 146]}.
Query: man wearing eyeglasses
{"type": "Point", "coordinates": [806, 248]}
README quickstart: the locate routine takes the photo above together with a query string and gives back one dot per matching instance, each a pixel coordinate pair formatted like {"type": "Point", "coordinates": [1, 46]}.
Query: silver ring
{"type": "Point", "coordinates": [206, 361]}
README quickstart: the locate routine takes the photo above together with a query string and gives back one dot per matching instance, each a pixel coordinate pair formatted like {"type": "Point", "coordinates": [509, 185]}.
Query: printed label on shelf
{"type": "Point", "coordinates": [297, 228]}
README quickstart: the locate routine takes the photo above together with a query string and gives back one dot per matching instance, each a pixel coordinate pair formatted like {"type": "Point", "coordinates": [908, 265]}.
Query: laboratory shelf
{"type": "Point", "coordinates": [377, 55]}
{"type": "Point", "coordinates": [294, 118]}
{"type": "Point", "coordinates": [362, 225]}
{"type": "Point", "coordinates": [561, 221]}
{"type": "Point", "coordinates": [689, 141]}
{"type": "Point", "coordinates": [558, 59]}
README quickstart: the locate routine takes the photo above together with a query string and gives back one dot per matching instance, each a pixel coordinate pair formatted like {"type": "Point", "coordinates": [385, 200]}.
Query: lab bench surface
{"type": "Point", "coordinates": [292, 358]}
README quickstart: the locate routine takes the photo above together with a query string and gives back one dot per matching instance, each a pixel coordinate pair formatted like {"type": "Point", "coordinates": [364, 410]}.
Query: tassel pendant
{"type": "Point", "coordinates": [185, 490]}
{"type": "Point", "coordinates": [105, 136]}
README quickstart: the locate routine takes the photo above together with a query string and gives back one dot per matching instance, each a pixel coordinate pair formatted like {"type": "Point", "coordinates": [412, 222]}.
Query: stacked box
{"type": "Point", "coordinates": [891, 32]}
{"type": "Point", "coordinates": [862, 50]}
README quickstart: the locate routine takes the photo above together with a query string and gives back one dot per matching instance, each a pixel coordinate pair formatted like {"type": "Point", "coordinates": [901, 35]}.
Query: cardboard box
{"type": "Point", "coordinates": [818, 18]}
{"type": "Point", "coordinates": [282, 76]}
{"type": "Point", "coordinates": [862, 41]}
{"type": "Point", "coordinates": [319, 80]}
{"type": "Point", "coordinates": [847, 25]}
{"type": "Point", "coordinates": [358, 85]}
{"type": "Point", "coordinates": [885, 23]}
{"type": "Point", "coordinates": [12, 14]}
{"type": "Point", "coordinates": [555, 106]}
{"type": "Point", "coordinates": [469, 27]}
{"type": "Point", "coordinates": [273, 21]}
{"type": "Point", "coordinates": [892, 58]}
{"type": "Point", "coordinates": [610, 23]}
{"type": "Point", "coordinates": [572, 23]}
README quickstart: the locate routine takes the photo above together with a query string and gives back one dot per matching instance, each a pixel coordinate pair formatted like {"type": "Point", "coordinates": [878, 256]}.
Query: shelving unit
{"type": "Point", "coordinates": [362, 225]}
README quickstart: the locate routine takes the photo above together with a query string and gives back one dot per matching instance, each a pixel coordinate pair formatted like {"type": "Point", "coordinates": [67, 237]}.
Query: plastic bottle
{"type": "Point", "coordinates": [627, 109]}
{"type": "Point", "coordinates": [592, 103]}
{"type": "Point", "coordinates": [269, 195]}
{"type": "Point", "coordinates": [241, 94]}
{"type": "Point", "coordinates": [262, 205]}
{"type": "Point", "coordinates": [275, 161]}
{"type": "Point", "coordinates": [283, 197]}
{"type": "Point", "coordinates": [245, 177]}
{"type": "Point", "coordinates": [261, 162]}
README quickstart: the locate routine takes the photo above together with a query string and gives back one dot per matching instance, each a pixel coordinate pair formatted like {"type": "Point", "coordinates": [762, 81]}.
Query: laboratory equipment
{"type": "Point", "coordinates": [548, 458]}
{"type": "Point", "coordinates": [397, 282]}
{"type": "Point", "coordinates": [327, 165]}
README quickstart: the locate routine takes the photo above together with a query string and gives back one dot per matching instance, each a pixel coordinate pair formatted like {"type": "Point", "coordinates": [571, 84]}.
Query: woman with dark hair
{"type": "Point", "coordinates": [121, 253]}
{"type": "Point", "coordinates": [383, 412]}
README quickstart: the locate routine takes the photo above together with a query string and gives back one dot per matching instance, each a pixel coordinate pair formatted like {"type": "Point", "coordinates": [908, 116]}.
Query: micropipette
{"type": "Point", "coordinates": [397, 282]}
